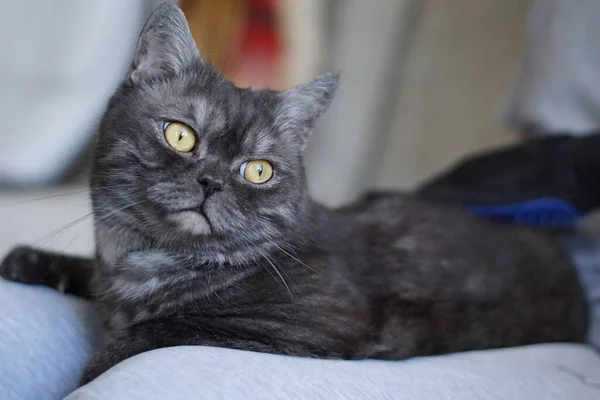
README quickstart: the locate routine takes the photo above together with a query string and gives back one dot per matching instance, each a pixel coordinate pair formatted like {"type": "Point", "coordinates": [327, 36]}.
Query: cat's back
{"type": "Point", "coordinates": [409, 234]}
{"type": "Point", "coordinates": [482, 284]}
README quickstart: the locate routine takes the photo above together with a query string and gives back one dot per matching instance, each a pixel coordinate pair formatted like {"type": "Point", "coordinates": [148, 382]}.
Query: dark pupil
{"type": "Point", "coordinates": [181, 135]}
{"type": "Point", "coordinates": [259, 169]}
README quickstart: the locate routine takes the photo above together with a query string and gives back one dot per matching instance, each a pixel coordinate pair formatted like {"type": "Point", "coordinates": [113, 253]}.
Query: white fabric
{"type": "Point", "coordinates": [548, 372]}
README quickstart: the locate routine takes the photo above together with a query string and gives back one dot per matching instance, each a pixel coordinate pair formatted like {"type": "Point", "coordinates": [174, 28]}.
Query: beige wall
{"type": "Point", "coordinates": [364, 42]}
{"type": "Point", "coordinates": [459, 71]}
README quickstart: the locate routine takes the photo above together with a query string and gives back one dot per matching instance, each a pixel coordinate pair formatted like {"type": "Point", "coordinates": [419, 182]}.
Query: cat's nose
{"type": "Point", "coordinates": [210, 185]}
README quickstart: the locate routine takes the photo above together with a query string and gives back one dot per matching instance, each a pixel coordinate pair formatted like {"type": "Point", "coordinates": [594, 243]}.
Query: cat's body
{"type": "Point", "coordinates": [396, 279]}
{"type": "Point", "coordinates": [193, 250]}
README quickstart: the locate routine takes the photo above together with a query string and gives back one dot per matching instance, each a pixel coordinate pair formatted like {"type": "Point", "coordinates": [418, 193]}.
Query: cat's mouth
{"type": "Point", "coordinates": [191, 220]}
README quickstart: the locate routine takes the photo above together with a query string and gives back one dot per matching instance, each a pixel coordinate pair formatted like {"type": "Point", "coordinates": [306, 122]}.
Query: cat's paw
{"type": "Point", "coordinates": [27, 265]}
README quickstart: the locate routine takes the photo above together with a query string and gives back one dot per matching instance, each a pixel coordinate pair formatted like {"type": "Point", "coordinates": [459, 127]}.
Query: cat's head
{"type": "Point", "coordinates": [185, 158]}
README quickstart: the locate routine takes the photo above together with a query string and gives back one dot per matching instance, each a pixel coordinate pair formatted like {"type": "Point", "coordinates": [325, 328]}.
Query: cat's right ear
{"type": "Point", "coordinates": [165, 45]}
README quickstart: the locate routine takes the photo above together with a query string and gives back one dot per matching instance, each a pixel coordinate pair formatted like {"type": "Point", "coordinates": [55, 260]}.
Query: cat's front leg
{"type": "Point", "coordinates": [38, 267]}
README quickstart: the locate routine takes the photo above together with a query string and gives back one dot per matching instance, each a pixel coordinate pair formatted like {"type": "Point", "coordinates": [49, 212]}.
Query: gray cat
{"type": "Point", "coordinates": [206, 235]}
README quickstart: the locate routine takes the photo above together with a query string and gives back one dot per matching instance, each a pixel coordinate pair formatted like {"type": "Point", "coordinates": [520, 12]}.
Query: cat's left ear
{"type": "Point", "coordinates": [165, 45]}
{"type": "Point", "coordinates": [301, 106]}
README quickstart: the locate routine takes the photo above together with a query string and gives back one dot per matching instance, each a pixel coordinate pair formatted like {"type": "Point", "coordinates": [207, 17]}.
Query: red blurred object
{"type": "Point", "coordinates": [258, 62]}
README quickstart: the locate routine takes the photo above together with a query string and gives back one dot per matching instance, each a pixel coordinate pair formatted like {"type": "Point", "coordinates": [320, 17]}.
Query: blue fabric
{"type": "Point", "coordinates": [46, 338]}
{"type": "Point", "coordinates": [548, 212]}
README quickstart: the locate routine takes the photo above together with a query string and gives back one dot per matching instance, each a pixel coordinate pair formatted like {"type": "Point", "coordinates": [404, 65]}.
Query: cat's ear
{"type": "Point", "coordinates": [165, 45]}
{"type": "Point", "coordinates": [301, 106]}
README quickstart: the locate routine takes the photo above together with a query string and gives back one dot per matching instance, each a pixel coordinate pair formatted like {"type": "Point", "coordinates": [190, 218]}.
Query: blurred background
{"type": "Point", "coordinates": [424, 82]}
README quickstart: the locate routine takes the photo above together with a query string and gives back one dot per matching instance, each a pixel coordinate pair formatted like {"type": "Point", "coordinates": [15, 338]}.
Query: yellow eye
{"type": "Point", "coordinates": [180, 136]}
{"type": "Point", "coordinates": [256, 171]}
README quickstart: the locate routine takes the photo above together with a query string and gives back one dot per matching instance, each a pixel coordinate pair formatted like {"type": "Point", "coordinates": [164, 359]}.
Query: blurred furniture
{"type": "Point", "coordinates": [61, 61]}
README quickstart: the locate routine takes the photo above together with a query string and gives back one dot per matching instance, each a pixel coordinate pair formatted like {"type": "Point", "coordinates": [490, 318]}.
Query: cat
{"type": "Point", "coordinates": [206, 235]}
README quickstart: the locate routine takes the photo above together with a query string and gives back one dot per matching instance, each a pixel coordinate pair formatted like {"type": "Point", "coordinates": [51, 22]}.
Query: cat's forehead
{"type": "Point", "coordinates": [207, 115]}
{"type": "Point", "coordinates": [223, 115]}
{"type": "Point", "coordinates": [192, 103]}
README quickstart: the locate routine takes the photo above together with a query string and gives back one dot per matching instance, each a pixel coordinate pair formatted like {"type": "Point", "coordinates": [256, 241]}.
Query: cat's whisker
{"type": "Point", "coordinates": [56, 195]}
{"type": "Point", "coordinates": [267, 269]}
{"type": "Point", "coordinates": [61, 229]}
{"type": "Point", "coordinates": [106, 217]}
{"type": "Point", "coordinates": [288, 254]}
{"type": "Point", "coordinates": [270, 261]}
{"type": "Point", "coordinates": [62, 255]}
{"type": "Point", "coordinates": [43, 198]}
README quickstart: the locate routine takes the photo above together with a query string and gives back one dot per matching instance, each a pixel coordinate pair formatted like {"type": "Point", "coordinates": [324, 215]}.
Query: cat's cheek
{"type": "Point", "coordinates": [190, 222]}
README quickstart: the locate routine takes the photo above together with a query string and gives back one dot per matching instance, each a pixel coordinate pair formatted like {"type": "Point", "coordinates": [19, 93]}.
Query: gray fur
{"type": "Point", "coordinates": [264, 267]}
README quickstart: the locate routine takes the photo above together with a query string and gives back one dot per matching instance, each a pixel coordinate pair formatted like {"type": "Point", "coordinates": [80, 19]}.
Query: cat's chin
{"type": "Point", "coordinates": [192, 222]}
